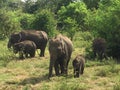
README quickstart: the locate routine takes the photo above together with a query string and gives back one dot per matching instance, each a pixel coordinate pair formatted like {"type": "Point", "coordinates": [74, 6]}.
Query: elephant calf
{"type": "Point", "coordinates": [99, 48]}
{"type": "Point", "coordinates": [78, 65]}
{"type": "Point", "coordinates": [26, 47]}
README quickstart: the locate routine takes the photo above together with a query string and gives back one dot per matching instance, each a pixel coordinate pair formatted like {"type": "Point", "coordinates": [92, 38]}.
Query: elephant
{"type": "Point", "coordinates": [40, 38]}
{"type": "Point", "coordinates": [78, 65]}
{"type": "Point", "coordinates": [99, 48]}
{"type": "Point", "coordinates": [60, 50]}
{"type": "Point", "coordinates": [26, 47]}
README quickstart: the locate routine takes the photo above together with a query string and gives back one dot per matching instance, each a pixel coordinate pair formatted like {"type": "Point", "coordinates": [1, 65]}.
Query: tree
{"type": "Point", "coordinates": [74, 14]}
{"type": "Point", "coordinates": [92, 4]}
{"type": "Point", "coordinates": [44, 20]}
{"type": "Point", "coordinates": [26, 20]}
{"type": "Point", "coordinates": [29, 6]}
{"type": "Point", "coordinates": [70, 27]}
{"type": "Point", "coordinates": [8, 23]}
{"type": "Point", "coordinates": [105, 23]}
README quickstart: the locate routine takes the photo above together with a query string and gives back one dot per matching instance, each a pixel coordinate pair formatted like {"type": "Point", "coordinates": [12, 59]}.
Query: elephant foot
{"type": "Point", "coordinates": [21, 58]}
{"type": "Point", "coordinates": [41, 55]}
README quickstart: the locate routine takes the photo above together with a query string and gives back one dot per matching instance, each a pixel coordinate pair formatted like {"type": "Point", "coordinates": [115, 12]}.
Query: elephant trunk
{"type": "Point", "coordinates": [9, 44]}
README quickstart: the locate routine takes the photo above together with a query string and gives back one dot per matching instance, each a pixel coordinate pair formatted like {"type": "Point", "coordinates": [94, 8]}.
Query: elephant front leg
{"type": "Point", "coordinates": [21, 55]}
{"type": "Point", "coordinates": [56, 68]}
{"type": "Point", "coordinates": [62, 68]}
{"type": "Point", "coordinates": [51, 67]}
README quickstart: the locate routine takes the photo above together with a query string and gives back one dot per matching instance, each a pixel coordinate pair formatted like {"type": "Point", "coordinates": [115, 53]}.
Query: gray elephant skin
{"type": "Point", "coordinates": [78, 65]}
{"type": "Point", "coordinates": [26, 48]}
{"type": "Point", "coordinates": [40, 38]}
{"type": "Point", "coordinates": [99, 48]}
{"type": "Point", "coordinates": [60, 49]}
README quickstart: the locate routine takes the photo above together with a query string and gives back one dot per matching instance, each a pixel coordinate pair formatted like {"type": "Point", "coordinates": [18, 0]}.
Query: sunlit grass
{"type": "Point", "coordinates": [32, 73]}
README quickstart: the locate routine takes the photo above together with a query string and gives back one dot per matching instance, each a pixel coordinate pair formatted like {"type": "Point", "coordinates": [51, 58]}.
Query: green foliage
{"type": "Point", "coordinates": [8, 23]}
{"type": "Point", "coordinates": [44, 20]}
{"type": "Point", "coordinates": [116, 86]}
{"type": "Point", "coordinates": [105, 23]}
{"type": "Point", "coordinates": [72, 17]}
{"type": "Point", "coordinates": [71, 27]}
{"type": "Point", "coordinates": [5, 56]}
{"type": "Point", "coordinates": [92, 4]}
{"type": "Point", "coordinates": [29, 7]}
{"type": "Point", "coordinates": [26, 20]}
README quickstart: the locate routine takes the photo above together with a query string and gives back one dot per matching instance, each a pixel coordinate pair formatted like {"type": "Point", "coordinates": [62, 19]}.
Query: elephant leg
{"type": "Point", "coordinates": [50, 68]}
{"type": "Point", "coordinates": [21, 55]}
{"type": "Point", "coordinates": [94, 54]}
{"type": "Point", "coordinates": [82, 69]}
{"type": "Point", "coordinates": [74, 73]}
{"type": "Point", "coordinates": [65, 67]}
{"type": "Point", "coordinates": [56, 68]}
{"type": "Point", "coordinates": [62, 68]}
{"type": "Point", "coordinates": [100, 54]}
{"type": "Point", "coordinates": [26, 55]}
{"type": "Point", "coordinates": [42, 52]}
{"type": "Point", "coordinates": [32, 54]}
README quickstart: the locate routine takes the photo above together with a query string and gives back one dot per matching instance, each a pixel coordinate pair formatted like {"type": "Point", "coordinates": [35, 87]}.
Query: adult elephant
{"type": "Point", "coordinates": [99, 48]}
{"type": "Point", "coordinates": [60, 49]}
{"type": "Point", "coordinates": [40, 38]}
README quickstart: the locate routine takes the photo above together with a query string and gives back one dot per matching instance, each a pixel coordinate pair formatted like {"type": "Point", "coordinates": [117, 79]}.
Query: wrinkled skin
{"type": "Point", "coordinates": [26, 48]}
{"type": "Point", "coordinates": [60, 49]}
{"type": "Point", "coordinates": [99, 48]}
{"type": "Point", "coordinates": [78, 65]}
{"type": "Point", "coordinates": [38, 37]}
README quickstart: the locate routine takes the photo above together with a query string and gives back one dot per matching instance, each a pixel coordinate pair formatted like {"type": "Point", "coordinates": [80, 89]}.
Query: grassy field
{"type": "Point", "coordinates": [32, 73]}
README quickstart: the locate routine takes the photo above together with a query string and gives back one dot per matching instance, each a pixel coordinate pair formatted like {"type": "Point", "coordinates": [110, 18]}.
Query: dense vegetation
{"type": "Point", "coordinates": [100, 17]}
{"type": "Point", "coordinates": [80, 20]}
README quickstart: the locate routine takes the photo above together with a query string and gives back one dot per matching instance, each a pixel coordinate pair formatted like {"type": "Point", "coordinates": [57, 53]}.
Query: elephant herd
{"type": "Point", "coordinates": [60, 49]}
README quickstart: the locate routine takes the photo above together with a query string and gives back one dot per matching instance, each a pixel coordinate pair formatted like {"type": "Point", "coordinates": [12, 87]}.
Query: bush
{"type": "Point", "coordinates": [8, 23]}
{"type": "Point", "coordinates": [44, 20]}
{"type": "Point", "coordinates": [105, 23]}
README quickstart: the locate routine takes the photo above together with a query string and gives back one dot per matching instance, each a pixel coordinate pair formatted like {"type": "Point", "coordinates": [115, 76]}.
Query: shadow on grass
{"type": "Point", "coordinates": [31, 80]}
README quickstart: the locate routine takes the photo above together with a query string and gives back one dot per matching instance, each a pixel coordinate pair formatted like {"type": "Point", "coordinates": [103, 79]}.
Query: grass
{"type": "Point", "coordinates": [32, 73]}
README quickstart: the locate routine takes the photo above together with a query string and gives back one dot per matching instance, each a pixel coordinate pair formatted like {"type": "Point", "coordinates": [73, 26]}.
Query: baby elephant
{"type": "Point", "coordinates": [78, 65]}
{"type": "Point", "coordinates": [26, 48]}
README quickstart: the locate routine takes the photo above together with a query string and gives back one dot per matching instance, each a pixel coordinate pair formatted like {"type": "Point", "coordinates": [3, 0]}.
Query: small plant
{"type": "Point", "coordinates": [116, 86]}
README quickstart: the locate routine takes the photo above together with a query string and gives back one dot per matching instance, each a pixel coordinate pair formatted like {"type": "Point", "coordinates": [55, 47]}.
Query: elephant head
{"type": "Point", "coordinates": [56, 47]}
{"type": "Point", "coordinates": [14, 38]}
{"type": "Point", "coordinates": [17, 47]}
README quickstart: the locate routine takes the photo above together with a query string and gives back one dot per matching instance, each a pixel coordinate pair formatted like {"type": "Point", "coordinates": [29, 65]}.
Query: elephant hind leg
{"type": "Point", "coordinates": [82, 69]}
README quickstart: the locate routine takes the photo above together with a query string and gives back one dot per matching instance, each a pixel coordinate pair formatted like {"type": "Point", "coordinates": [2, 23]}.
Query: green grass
{"type": "Point", "coordinates": [32, 73]}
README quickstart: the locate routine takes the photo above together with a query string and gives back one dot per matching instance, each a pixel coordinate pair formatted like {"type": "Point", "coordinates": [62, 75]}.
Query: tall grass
{"type": "Point", "coordinates": [6, 55]}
